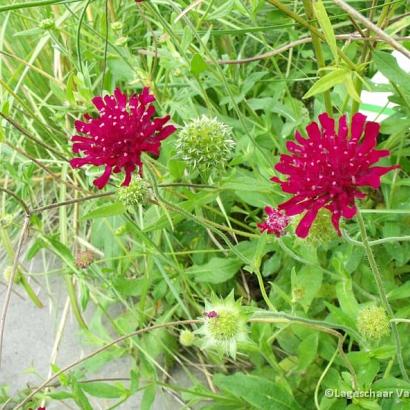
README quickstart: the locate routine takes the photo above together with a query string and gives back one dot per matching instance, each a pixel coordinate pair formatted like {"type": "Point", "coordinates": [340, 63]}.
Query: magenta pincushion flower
{"type": "Point", "coordinates": [328, 169]}
{"type": "Point", "coordinates": [275, 222]}
{"type": "Point", "coordinates": [122, 131]}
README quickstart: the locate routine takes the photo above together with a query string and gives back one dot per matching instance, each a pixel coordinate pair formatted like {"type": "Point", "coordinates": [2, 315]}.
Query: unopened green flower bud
{"type": "Point", "coordinates": [6, 220]}
{"type": "Point", "coordinates": [186, 338]}
{"type": "Point", "coordinates": [8, 273]}
{"type": "Point", "coordinates": [373, 323]}
{"type": "Point", "coordinates": [117, 26]}
{"type": "Point", "coordinates": [47, 24]}
{"type": "Point", "coordinates": [134, 194]}
{"type": "Point", "coordinates": [205, 143]}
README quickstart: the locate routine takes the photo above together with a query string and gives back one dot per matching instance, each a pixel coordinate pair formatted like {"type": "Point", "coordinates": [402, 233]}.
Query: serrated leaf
{"type": "Point", "coordinates": [328, 81]}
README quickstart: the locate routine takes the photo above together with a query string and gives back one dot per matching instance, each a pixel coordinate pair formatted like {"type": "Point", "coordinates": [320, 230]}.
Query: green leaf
{"type": "Point", "coordinates": [198, 65]}
{"type": "Point", "coordinates": [351, 90]}
{"type": "Point", "coordinates": [388, 66]}
{"type": "Point", "coordinates": [307, 350]}
{"type": "Point", "coordinates": [346, 298]}
{"type": "Point", "coordinates": [327, 27]}
{"type": "Point", "coordinates": [104, 390]}
{"type": "Point", "coordinates": [257, 392]}
{"type": "Point", "coordinates": [104, 211]}
{"type": "Point", "coordinates": [217, 270]}
{"type": "Point", "coordinates": [328, 81]}
{"type": "Point", "coordinates": [306, 283]}
{"type": "Point", "coordinates": [402, 292]}
{"type": "Point", "coordinates": [148, 397]}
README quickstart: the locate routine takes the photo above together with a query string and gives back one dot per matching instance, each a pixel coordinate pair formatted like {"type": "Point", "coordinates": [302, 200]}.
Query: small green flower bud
{"type": "Point", "coordinates": [186, 338]}
{"type": "Point", "coordinates": [121, 230]}
{"type": "Point", "coordinates": [6, 220]}
{"type": "Point", "coordinates": [47, 24]}
{"type": "Point", "coordinates": [205, 143]}
{"type": "Point", "coordinates": [373, 323]}
{"type": "Point", "coordinates": [136, 193]}
{"type": "Point", "coordinates": [117, 26]}
{"type": "Point", "coordinates": [8, 272]}
{"type": "Point", "coordinates": [84, 259]}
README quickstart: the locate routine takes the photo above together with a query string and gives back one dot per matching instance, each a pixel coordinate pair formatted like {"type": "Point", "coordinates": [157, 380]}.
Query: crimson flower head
{"type": "Point", "coordinates": [328, 169]}
{"type": "Point", "coordinates": [119, 134]}
{"type": "Point", "coordinates": [275, 222]}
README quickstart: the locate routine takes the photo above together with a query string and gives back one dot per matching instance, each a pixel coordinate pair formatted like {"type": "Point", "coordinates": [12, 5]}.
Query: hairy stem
{"type": "Point", "coordinates": [382, 293]}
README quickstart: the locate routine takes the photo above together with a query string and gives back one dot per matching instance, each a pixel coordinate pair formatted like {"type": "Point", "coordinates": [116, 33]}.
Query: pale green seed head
{"type": "Point", "coordinates": [205, 143]}
{"type": "Point", "coordinates": [373, 323]}
{"type": "Point", "coordinates": [134, 194]}
{"type": "Point", "coordinates": [224, 325]}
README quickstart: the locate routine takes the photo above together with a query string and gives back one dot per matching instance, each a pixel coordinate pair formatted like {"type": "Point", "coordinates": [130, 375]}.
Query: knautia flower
{"type": "Point", "coordinates": [328, 169]}
{"type": "Point", "coordinates": [224, 325]}
{"type": "Point", "coordinates": [119, 134]}
{"type": "Point", "coordinates": [373, 323]}
{"type": "Point", "coordinates": [205, 143]}
{"type": "Point", "coordinates": [135, 193]}
{"type": "Point", "coordinates": [275, 222]}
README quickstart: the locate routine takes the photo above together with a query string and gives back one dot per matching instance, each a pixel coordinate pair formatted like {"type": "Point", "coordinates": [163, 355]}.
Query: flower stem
{"type": "Point", "coordinates": [317, 46]}
{"type": "Point", "coordinates": [263, 290]}
{"type": "Point", "coordinates": [30, 292]}
{"type": "Point", "coordinates": [382, 293]}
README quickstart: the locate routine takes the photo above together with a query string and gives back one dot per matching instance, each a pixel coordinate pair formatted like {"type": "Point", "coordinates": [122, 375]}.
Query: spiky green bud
{"type": "Point", "coordinates": [134, 194]}
{"type": "Point", "coordinates": [205, 143]}
{"type": "Point", "coordinates": [224, 325]}
{"type": "Point", "coordinates": [373, 323]}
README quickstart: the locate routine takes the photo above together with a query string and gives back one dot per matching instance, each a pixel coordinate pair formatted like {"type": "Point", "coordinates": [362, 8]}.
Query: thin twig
{"type": "Point", "coordinates": [188, 9]}
{"type": "Point", "coordinates": [102, 349]}
{"type": "Point", "coordinates": [31, 137]}
{"type": "Point", "coordinates": [18, 199]}
{"type": "Point", "coordinates": [371, 26]}
{"type": "Point", "coordinates": [24, 229]}
{"type": "Point", "coordinates": [70, 202]}
{"type": "Point", "coordinates": [292, 44]}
